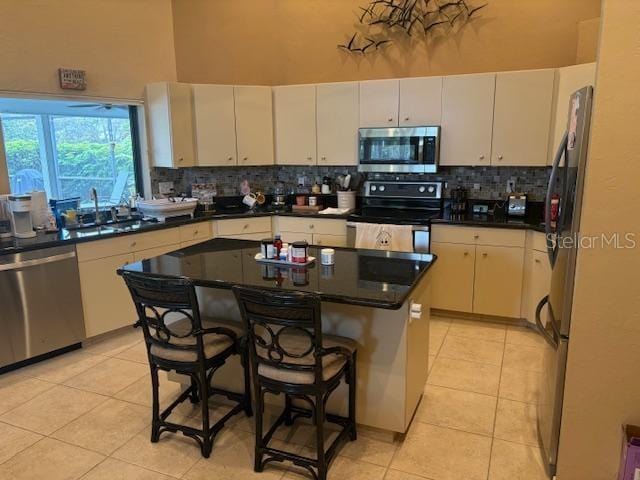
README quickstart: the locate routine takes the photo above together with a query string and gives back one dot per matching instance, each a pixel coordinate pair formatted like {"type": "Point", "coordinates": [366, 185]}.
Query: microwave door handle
{"type": "Point", "coordinates": [551, 252]}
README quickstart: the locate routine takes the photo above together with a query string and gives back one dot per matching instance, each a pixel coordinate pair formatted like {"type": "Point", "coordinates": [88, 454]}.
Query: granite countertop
{"type": "Point", "coordinates": [533, 222]}
{"type": "Point", "coordinates": [370, 278]}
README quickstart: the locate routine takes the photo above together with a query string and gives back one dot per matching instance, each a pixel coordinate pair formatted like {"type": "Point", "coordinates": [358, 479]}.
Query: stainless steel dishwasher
{"type": "Point", "coordinates": [40, 303]}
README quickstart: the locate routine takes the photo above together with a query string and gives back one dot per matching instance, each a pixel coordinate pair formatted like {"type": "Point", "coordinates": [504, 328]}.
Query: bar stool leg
{"type": "Point", "coordinates": [194, 391]}
{"type": "Point", "coordinates": [155, 420]}
{"type": "Point", "coordinates": [288, 419]}
{"type": "Point", "coordinates": [244, 359]}
{"type": "Point", "coordinates": [206, 426]}
{"type": "Point", "coordinates": [319, 420]}
{"type": "Point", "coordinates": [353, 386]}
{"type": "Point", "coordinates": [259, 414]}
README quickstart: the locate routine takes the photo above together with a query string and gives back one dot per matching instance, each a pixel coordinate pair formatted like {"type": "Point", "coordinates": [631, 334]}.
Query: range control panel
{"type": "Point", "coordinates": [426, 190]}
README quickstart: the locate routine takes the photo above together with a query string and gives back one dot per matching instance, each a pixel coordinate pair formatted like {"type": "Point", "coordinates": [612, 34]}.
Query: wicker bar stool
{"type": "Point", "coordinates": [179, 339]}
{"type": "Point", "coordinates": [290, 355]}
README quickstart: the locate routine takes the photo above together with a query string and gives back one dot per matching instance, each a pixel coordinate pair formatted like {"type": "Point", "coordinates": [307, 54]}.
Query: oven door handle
{"type": "Point", "coordinates": [415, 228]}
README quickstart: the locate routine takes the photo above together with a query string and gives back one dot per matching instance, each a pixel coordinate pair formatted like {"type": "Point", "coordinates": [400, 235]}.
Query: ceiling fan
{"type": "Point", "coordinates": [100, 106]}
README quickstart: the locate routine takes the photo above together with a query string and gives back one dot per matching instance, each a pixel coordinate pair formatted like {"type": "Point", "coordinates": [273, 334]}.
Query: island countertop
{"type": "Point", "coordinates": [371, 278]}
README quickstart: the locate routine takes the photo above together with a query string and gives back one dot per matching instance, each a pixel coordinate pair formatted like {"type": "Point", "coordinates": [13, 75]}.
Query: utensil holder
{"type": "Point", "coordinates": [347, 200]}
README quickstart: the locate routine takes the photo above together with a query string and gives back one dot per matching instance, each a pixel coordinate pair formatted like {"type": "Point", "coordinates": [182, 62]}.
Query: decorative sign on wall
{"type": "Point", "coordinates": [71, 79]}
{"type": "Point", "coordinates": [381, 21]}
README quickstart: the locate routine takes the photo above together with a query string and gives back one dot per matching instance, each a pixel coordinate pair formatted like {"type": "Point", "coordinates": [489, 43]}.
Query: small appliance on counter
{"type": "Point", "coordinates": [458, 200]}
{"type": "Point", "coordinates": [517, 205]}
{"type": "Point", "coordinates": [279, 198]}
{"type": "Point", "coordinates": [5, 217]}
{"type": "Point", "coordinates": [20, 206]}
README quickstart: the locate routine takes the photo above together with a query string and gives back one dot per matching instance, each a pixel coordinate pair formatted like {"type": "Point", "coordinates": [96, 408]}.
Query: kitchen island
{"type": "Point", "coordinates": [380, 299]}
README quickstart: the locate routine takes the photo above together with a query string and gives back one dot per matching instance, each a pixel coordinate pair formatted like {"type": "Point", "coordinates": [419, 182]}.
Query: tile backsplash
{"type": "Point", "coordinates": [482, 183]}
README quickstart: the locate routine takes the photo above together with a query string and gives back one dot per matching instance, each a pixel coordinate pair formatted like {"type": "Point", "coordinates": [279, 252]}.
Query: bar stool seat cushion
{"type": "Point", "coordinates": [297, 344]}
{"type": "Point", "coordinates": [214, 344]}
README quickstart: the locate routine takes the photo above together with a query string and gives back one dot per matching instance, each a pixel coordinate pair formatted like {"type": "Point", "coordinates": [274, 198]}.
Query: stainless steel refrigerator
{"type": "Point", "coordinates": [553, 315]}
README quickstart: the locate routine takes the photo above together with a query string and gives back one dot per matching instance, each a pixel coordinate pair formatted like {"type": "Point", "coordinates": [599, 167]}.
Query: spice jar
{"type": "Point", "coordinates": [299, 252]}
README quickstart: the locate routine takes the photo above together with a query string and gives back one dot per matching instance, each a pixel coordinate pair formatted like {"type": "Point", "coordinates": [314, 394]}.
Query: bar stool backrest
{"type": "Point", "coordinates": [160, 302]}
{"type": "Point", "coordinates": [284, 329]}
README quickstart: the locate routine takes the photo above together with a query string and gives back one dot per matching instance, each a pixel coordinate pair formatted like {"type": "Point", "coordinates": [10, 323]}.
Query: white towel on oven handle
{"type": "Point", "coordinates": [376, 236]}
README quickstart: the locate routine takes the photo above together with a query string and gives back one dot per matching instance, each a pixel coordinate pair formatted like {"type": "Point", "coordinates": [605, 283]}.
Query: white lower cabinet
{"type": "Point", "coordinates": [105, 298]}
{"type": "Point", "coordinates": [498, 281]}
{"type": "Point", "coordinates": [244, 228]}
{"type": "Point", "coordinates": [537, 276]}
{"type": "Point", "coordinates": [479, 270]}
{"type": "Point", "coordinates": [453, 276]}
{"type": "Point", "coordinates": [329, 232]}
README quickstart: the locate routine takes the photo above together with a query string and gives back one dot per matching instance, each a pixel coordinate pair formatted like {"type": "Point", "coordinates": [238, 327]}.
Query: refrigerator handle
{"type": "Point", "coordinates": [543, 331]}
{"type": "Point", "coordinates": [547, 203]}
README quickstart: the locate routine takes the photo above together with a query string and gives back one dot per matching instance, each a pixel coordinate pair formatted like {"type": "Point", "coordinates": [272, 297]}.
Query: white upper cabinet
{"type": "Point", "coordinates": [522, 117]}
{"type": "Point", "coordinates": [337, 123]}
{"type": "Point", "coordinates": [170, 119]}
{"type": "Point", "coordinates": [254, 125]}
{"type": "Point", "coordinates": [379, 103]}
{"type": "Point", "coordinates": [215, 125]}
{"type": "Point", "coordinates": [420, 101]}
{"type": "Point", "coordinates": [295, 124]}
{"type": "Point", "coordinates": [568, 80]}
{"type": "Point", "coordinates": [467, 119]}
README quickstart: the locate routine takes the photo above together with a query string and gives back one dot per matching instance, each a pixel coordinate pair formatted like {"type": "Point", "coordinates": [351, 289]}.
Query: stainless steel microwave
{"type": "Point", "coordinates": [399, 150]}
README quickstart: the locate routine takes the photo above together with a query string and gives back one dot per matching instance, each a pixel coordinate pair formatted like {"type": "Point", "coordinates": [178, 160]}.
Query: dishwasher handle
{"type": "Point", "coordinates": [36, 262]}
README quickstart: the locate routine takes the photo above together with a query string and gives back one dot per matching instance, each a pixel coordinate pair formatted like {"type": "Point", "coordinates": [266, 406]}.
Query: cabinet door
{"type": "Point", "coordinates": [215, 125]}
{"type": "Point", "coordinates": [498, 281]}
{"type": "Point", "coordinates": [157, 251]}
{"type": "Point", "coordinates": [453, 273]}
{"type": "Point", "coordinates": [254, 125]}
{"type": "Point", "coordinates": [420, 101]}
{"type": "Point", "coordinates": [568, 80]}
{"type": "Point", "coordinates": [295, 116]}
{"type": "Point", "coordinates": [536, 283]}
{"type": "Point", "coordinates": [170, 122]}
{"type": "Point", "coordinates": [467, 119]}
{"type": "Point", "coordinates": [379, 103]}
{"type": "Point", "coordinates": [522, 118]}
{"type": "Point", "coordinates": [105, 298]}
{"type": "Point", "coordinates": [290, 237]}
{"type": "Point", "coordinates": [337, 119]}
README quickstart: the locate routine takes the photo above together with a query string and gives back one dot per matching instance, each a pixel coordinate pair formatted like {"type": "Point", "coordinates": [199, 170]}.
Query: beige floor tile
{"type": "Point", "coordinates": [140, 391]}
{"type": "Point", "coordinates": [16, 390]}
{"type": "Point", "coordinates": [516, 422]}
{"type": "Point", "coordinates": [438, 326]}
{"type": "Point", "coordinates": [431, 361]}
{"type": "Point", "coordinates": [524, 336]}
{"type": "Point", "coordinates": [62, 368]}
{"type": "Point", "coordinates": [113, 344]}
{"type": "Point", "coordinates": [50, 459]}
{"type": "Point", "coordinates": [369, 450]}
{"type": "Point", "coordinates": [232, 459]}
{"type": "Point", "coordinates": [109, 377]}
{"type": "Point", "coordinates": [435, 342]}
{"type": "Point", "coordinates": [443, 454]}
{"type": "Point", "coordinates": [520, 385]}
{"type": "Point", "coordinates": [52, 409]}
{"type": "Point", "coordinates": [343, 468]}
{"type": "Point", "coordinates": [510, 461]}
{"type": "Point", "coordinates": [398, 475]}
{"type": "Point", "coordinates": [472, 350]}
{"type": "Point", "coordinates": [471, 412]}
{"type": "Point", "coordinates": [479, 329]}
{"type": "Point", "coordinates": [463, 375]}
{"type": "Point", "coordinates": [107, 427]}
{"type": "Point", "coordinates": [137, 353]}
{"type": "Point", "coordinates": [523, 357]}
{"type": "Point", "coordinates": [112, 469]}
{"type": "Point", "coordinates": [13, 440]}
{"type": "Point", "coordinates": [173, 455]}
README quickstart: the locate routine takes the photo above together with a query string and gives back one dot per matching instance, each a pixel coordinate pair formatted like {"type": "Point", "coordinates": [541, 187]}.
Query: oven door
{"type": "Point", "coordinates": [391, 150]}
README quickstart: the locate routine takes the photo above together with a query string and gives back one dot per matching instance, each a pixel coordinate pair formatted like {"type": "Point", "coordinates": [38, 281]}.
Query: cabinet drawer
{"type": "Point", "coordinates": [127, 244]}
{"type": "Point", "coordinates": [313, 225]}
{"type": "Point", "coordinates": [537, 241]}
{"type": "Point", "coordinates": [290, 237]}
{"type": "Point", "coordinates": [330, 240]}
{"type": "Point", "coordinates": [257, 236]}
{"type": "Point", "coordinates": [196, 231]}
{"type": "Point", "coordinates": [478, 236]}
{"type": "Point", "coordinates": [239, 226]}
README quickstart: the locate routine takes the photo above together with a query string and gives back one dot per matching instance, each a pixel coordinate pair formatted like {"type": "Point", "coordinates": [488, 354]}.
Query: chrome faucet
{"type": "Point", "coordinates": [94, 197]}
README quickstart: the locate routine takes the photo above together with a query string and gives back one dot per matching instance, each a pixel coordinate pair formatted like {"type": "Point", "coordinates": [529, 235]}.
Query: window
{"type": "Point", "coordinates": [68, 149]}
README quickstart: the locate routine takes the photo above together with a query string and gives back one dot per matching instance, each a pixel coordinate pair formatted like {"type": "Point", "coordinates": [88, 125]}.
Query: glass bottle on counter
{"type": "Point", "coordinates": [277, 243]}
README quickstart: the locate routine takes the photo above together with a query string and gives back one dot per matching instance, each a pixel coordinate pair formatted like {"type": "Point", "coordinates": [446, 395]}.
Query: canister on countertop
{"type": "Point", "coordinates": [268, 249]}
{"type": "Point", "coordinates": [299, 252]}
{"type": "Point", "coordinates": [327, 256]}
